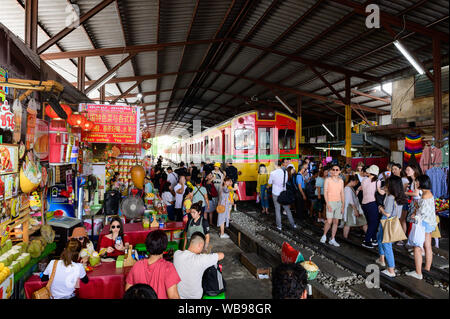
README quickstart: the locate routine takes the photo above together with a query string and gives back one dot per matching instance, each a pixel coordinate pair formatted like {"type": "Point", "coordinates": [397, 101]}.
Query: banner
{"type": "Point", "coordinates": [41, 140]}
{"type": "Point", "coordinates": [116, 124]}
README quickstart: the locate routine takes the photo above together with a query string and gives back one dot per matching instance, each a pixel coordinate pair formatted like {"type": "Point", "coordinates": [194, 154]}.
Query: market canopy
{"type": "Point", "coordinates": [209, 60]}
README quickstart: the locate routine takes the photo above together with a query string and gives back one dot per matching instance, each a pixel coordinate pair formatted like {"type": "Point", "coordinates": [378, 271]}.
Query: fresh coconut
{"type": "Point", "coordinates": [311, 268]}
{"type": "Point", "coordinates": [16, 267]}
{"type": "Point", "coordinates": [8, 244]}
{"type": "Point", "coordinates": [94, 259]}
{"type": "Point", "coordinates": [4, 260]}
{"type": "Point", "coordinates": [48, 233]}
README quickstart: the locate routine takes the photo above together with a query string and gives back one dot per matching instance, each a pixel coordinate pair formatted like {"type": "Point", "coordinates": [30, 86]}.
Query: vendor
{"type": "Point", "coordinates": [149, 188]}
{"type": "Point", "coordinates": [116, 242]}
{"type": "Point", "coordinates": [196, 224]}
{"type": "Point", "coordinates": [87, 247]}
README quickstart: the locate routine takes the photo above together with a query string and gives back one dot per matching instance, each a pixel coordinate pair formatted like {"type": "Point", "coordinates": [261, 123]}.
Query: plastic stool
{"type": "Point", "coordinates": [219, 296]}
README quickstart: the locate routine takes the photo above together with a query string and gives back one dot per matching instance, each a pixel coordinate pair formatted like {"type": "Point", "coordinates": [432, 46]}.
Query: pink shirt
{"type": "Point", "coordinates": [368, 189]}
{"type": "Point", "coordinates": [334, 188]}
{"type": "Point", "coordinates": [160, 275]}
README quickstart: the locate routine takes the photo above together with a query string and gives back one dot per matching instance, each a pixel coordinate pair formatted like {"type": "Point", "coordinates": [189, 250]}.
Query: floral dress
{"type": "Point", "coordinates": [225, 199]}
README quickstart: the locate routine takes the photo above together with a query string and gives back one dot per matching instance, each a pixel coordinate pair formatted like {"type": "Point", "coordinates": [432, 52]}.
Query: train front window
{"type": "Point", "coordinates": [286, 139]}
{"type": "Point", "coordinates": [244, 139]}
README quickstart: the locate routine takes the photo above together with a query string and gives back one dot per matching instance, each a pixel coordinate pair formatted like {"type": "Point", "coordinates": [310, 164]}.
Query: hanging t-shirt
{"type": "Point", "coordinates": [66, 278]}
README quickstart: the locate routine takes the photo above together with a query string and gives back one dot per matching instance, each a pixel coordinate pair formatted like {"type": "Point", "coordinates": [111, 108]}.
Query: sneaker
{"type": "Point", "coordinates": [295, 227]}
{"type": "Point", "coordinates": [279, 228]}
{"type": "Point", "coordinates": [374, 243]}
{"type": "Point", "coordinates": [378, 261]}
{"type": "Point", "coordinates": [323, 239]}
{"type": "Point", "coordinates": [400, 243]}
{"type": "Point", "coordinates": [284, 213]}
{"type": "Point", "coordinates": [334, 243]}
{"type": "Point", "coordinates": [414, 274]}
{"type": "Point", "coordinates": [224, 236]}
{"type": "Point", "coordinates": [387, 273]}
{"type": "Point", "coordinates": [367, 245]}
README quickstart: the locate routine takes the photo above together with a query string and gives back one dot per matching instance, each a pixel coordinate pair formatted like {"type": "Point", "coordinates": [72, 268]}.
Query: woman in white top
{"type": "Point", "coordinates": [168, 200]}
{"type": "Point", "coordinates": [353, 214]}
{"type": "Point", "coordinates": [424, 215]}
{"type": "Point", "coordinates": [412, 173]}
{"type": "Point", "coordinates": [68, 272]}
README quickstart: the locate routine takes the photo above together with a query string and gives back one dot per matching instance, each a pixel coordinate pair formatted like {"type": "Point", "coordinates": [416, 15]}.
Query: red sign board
{"type": "Point", "coordinates": [116, 124]}
{"type": "Point", "coordinates": [129, 149]}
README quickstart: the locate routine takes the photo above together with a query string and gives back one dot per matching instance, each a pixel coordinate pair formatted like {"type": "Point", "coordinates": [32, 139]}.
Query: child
{"type": "Point", "coordinates": [187, 203]}
{"type": "Point", "coordinates": [423, 216]}
{"type": "Point", "coordinates": [225, 199]}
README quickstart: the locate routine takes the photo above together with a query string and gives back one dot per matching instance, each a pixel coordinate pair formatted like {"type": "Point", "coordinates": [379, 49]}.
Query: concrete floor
{"type": "Point", "coordinates": [241, 284]}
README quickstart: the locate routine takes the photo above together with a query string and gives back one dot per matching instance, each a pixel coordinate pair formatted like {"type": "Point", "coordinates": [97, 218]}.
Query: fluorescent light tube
{"type": "Point", "coordinates": [284, 104]}
{"type": "Point", "coordinates": [327, 130]}
{"type": "Point", "coordinates": [104, 81]}
{"type": "Point", "coordinates": [408, 56]}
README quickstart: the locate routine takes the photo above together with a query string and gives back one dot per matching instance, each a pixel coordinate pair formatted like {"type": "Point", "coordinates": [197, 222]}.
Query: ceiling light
{"type": "Point", "coordinates": [408, 56]}
{"type": "Point", "coordinates": [139, 96]}
{"type": "Point", "coordinates": [326, 128]}
{"type": "Point", "coordinates": [284, 104]}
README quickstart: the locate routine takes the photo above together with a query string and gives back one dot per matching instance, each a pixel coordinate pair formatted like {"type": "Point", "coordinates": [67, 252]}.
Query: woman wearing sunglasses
{"type": "Point", "coordinates": [87, 247]}
{"type": "Point", "coordinates": [116, 242]}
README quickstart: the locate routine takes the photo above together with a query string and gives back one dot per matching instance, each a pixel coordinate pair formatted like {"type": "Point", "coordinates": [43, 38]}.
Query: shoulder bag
{"type": "Point", "coordinates": [378, 197]}
{"type": "Point", "coordinates": [392, 229]}
{"type": "Point", "coordinates": [44, 292]}
{"type": "Point", "coordinates": [286, 197]}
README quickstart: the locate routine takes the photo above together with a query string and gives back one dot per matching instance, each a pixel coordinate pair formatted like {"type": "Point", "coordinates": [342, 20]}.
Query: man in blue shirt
{"type": "Point", "coordinates": [300, 196]}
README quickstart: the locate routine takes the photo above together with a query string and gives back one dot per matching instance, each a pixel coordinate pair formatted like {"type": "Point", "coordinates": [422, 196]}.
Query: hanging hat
{"type": "Point", "coordinates": [373, 169]}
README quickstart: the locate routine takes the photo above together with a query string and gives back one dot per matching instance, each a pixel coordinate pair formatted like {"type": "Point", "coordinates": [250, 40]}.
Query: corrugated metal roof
{"type": "Point", "coordinates": [330, 33]}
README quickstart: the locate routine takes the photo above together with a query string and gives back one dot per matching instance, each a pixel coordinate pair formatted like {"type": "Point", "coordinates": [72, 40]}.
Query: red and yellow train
{"type": "Point", "coordinates": [248, 139]}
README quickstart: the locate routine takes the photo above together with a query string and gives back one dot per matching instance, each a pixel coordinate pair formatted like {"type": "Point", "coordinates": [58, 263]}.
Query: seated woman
{"type": "Point", "coordinates": [87, 247]}
{"type": "Point", "coordinates": [68, 272]}
{"type": "Point", "coordinates": [116, 242]}
{"type": "Point", "coordinates": [197, 223]}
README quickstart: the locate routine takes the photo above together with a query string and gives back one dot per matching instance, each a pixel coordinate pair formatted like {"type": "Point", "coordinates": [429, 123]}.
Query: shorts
{"type": "Point", "coordinates": [336, 212]}
{"type": "Point", "coordinates": [428, 228]}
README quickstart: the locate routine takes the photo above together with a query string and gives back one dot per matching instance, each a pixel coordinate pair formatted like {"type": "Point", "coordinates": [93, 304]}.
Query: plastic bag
{"type": "Point", "coordinates": [257, 198]}
{"type": "Point", "coordinates": [417, 235]}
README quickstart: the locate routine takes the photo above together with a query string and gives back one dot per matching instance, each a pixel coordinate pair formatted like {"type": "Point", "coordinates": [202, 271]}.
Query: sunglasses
{"type": "Point", "coordinates": [114, 226]}
{"type": "Point", "coordinates": [81, 238]}
{"type": "Point", "coordinates": [335, 170]}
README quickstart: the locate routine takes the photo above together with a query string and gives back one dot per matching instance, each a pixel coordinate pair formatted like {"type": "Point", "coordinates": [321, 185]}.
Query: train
{"type": "Point", "coordinates": [248, 139]}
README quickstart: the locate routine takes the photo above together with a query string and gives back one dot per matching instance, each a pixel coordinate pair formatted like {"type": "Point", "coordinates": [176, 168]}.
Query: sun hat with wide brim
{"type": "Point", "coordinates": [217, 164]}
{"type": "Point", "coordinates": [79, 232]}
{"type": "Point", "coordinates": [373, 169]}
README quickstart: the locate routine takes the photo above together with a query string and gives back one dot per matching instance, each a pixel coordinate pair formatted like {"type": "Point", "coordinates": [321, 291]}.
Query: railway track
{"type": "Point", "coordinates": [353, 257]}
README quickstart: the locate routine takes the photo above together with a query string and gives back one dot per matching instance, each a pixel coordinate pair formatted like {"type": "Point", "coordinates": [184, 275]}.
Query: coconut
{"type": "Point", "coordinates": [4, 260]}
{"type": "Point", "coordinates": [15, 267]}
{"type": "Point", "coordinates": [15, 253]}
{"type": "Point", "coordinates": [18, 248]}
{"type": "Point", "coordinates": [94, 259]}
{"type": "Point", "coordinates": [22, 261]}
{"type": "Point", "coordinates": [311, 268]}
{"type": "Point", "coordinates": [27, 257]}
{"type": "Point", "coordinates": [8, 244]}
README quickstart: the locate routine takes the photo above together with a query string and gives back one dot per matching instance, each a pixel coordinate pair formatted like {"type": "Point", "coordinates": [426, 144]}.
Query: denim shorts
{"type": "Point", "coordinates": [428, 228]}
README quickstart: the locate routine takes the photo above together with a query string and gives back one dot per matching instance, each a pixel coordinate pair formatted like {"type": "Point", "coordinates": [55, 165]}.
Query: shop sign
{"type": "Point", "coordinates": [6, 117]}
{"type": "Point", "coordinates": [41, 140]}
{"type": "Point", "coordinates": [116, 124]}
{"type": "Point", "coordinates": [129, 149]}
{"type": "Point", "coordinates": [3, 90]}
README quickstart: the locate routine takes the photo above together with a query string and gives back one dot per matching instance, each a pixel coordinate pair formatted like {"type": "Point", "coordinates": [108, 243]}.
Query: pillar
{"type": "Point", "coordinates": [348, 122]}
{"type": "Point", "coordinates": [31, 18]}
{"type": "Point", "coordinates": [299, 122]}
{"type": "Point", "coordinates": [102, 94]}
{"type": "Point", "coordinates": [81, 73]}
{"type": "Point", "coordinates": [437, 90]}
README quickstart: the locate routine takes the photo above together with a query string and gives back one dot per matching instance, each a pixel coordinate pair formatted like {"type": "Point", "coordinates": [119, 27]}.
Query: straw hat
{"type": "Point", "coordinates": [373, 169]}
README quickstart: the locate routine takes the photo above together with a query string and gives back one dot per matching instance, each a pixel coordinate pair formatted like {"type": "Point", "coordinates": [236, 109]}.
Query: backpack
{"type": "Point", "coordinates": [310, 188]}
{"type": "Point", "coordinates": [111, 202]}
{"type": "Point", "coordinates": [213, 282]}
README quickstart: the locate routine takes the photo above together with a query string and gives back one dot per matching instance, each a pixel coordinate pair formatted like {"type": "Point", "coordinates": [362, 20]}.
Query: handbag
{"type": "Point", "coordinates": [416, 235]}
{"type": "Point", "coordinates": [392, 229]}
{"type": "Point", "coordinates": [378, 197]}
{"type": "Point", "coordinates": [44, 292]}
{"type": "Point", "coordinates": [220, 209]}
{"type": "Point", "coordinates": [286, 197]}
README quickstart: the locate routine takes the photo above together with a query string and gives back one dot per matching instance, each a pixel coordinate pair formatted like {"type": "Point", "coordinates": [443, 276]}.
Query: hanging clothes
{"type": "Point", "coordinates": [431, 156]}
{"type": "Point", "coordinates": [413, 146]}
{"type": "Point", "coordinates": [438, 181]}
{"type": "Point", "coordinates": [444, 151]}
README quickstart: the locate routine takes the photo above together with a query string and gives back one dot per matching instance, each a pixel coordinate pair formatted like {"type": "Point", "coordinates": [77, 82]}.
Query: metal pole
{"type": "Point", "coordinates": [348, 122]}
{"type": "Point", "coordinates": [437, 90]}
{"type": "Point", "coordinates": [31, 18]}
{"type": "Point", "coordinates": [299, 122]}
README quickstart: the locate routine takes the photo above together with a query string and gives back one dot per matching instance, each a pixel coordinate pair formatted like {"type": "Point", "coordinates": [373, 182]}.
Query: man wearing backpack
{"type": "Point", "coordinates": [300, 194]}
{"type": "Point", "coordinates": [191, 264]}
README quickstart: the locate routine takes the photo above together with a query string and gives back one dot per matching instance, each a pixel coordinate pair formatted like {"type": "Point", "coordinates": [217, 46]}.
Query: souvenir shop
{"type": "Point", "coordinates": [59, 158]}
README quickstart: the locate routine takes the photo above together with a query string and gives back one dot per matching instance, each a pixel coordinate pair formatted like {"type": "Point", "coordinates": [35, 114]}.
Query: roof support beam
{"type": "Point", "coordinates": [371, 96]}
{"type": "Point", "coordinates": [31, 24]}
{"type": "Point", "coordinates": [81, 74]}
{"type": "Point", "coordinates": [437, 90]}
{"type": "Point", "coordinates": [105, 76]}
{"type": "Point", "coordinates": [396, 21]}
{"type": "Point", "coordinates": [67, 30]}
{"type": "Point", "coordinates": [125, 94]}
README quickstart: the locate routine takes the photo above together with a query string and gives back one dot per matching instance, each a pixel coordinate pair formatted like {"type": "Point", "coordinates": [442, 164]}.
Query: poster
{"type": "Point", "coordinates": [116, 124]}
{"type": "Point", "coordinates": [60, 205]}
{"type": "Point", "coordinates": [31, 126]}
{"type": "Point", "coordinates": [41, 140]}
{"type": "Point", "coordinates": [7, 287]}
{"type": "Point", "coordinates": [9, 186]}
{"type": "Point", "coordinates": [9, 159]}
